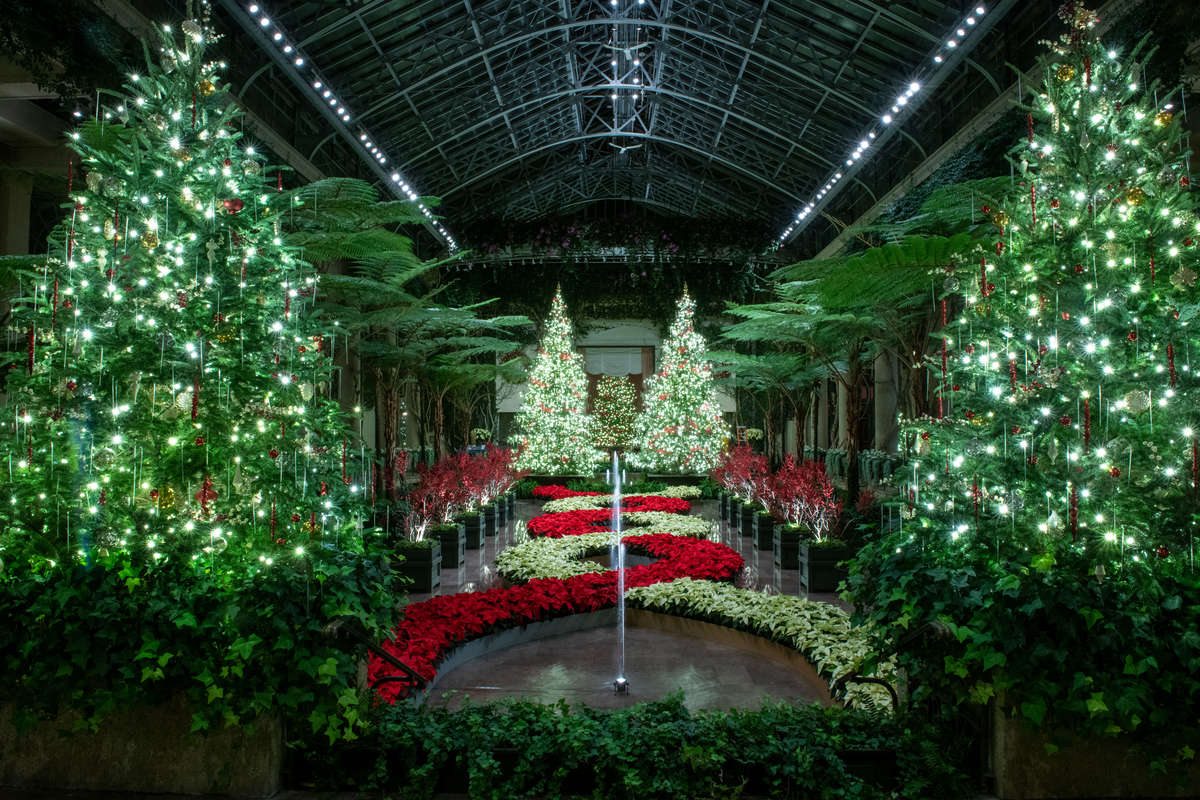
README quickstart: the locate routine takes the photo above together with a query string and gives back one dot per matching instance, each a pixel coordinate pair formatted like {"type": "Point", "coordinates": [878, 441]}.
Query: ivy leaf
{"type": "Point", "coordinates": [1034, 711]}
{"type": "Point", "coordinates": [1096, 704]}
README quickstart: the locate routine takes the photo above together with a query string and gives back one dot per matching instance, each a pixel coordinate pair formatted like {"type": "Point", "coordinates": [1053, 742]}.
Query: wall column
{"type": "Point", "coordinates": [16, 189]}
{"type": "Point", "coordinates": [843, 423]}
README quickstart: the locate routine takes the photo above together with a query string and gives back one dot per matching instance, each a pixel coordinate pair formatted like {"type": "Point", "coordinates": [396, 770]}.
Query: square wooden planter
{"type": "Point", "coordinates": [422, 566]}
{"type": "Point", "coordinates": [785, 543]}
{"type": "Point", "coordinates": [746, 525]}
{"type": "Point", "coordinates": [820, 566]}
{"type": "Point", "coordinates": [764, 531]}
{"type": "Point", "coordinates": [454, 546]}
{"type": "Point", "coordinates": [472, 523]}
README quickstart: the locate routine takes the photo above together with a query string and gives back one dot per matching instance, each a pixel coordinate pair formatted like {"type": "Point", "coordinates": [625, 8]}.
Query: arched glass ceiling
{"type": "Point", "coordinates": [518, 108]}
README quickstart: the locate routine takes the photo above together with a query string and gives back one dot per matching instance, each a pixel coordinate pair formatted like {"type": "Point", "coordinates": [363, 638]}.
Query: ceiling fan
{"type": "Point", "coordinates": [622, 149]}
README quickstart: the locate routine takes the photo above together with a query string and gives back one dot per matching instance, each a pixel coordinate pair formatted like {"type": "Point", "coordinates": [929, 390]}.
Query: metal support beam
{"type": "Point", "coordinates": [976, 126]}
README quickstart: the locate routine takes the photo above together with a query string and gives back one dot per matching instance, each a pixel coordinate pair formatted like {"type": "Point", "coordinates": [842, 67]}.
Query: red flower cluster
{"type": "Point", "coordinates": [432, 628]}
{"type": "Point", "coordinates": [557, 491]}
{"type": "Point", "coordinates": [456, 483]}
{"type": "Point", "coordinates": [742, 472]}
{"type": "Point", "coordinates": [573, 523]}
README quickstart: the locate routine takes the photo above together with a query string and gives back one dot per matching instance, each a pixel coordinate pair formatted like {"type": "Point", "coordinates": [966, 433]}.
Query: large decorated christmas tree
{"type": "Point", "coordinates": [1069, 410]}
{"type": "Point", "coordinates": [680, 429]}
{"type": "Point", "coordinates": [171, 398]}
{"type": "Point", "coordinates": [553, 432]}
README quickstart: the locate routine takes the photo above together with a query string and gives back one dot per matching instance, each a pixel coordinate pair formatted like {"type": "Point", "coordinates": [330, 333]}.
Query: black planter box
{"type": "Point", "coordinates": [724, 506]}
{"type": "Point", "coordinates": [489, 520]}
{"type": "Point", "coordinates": [764, 532]}
{"type": "Point", "coordinates": [819, 566]}
{"type": "Point", "coordinates": [501, 511]}
{"type": "Point", "coordinates": [422, 566]}
{"type": "Point", "coordinates": [511, 500]}
{"type": "Point", "coordinates": [786, 546]}
{"type": "Point", "coordinates": [473, 526]}
{"type": "Point", "coordinates": [454, 546]}
{"type": "Point", "coordinates": [749, 512]}
{"type": "Point", "coordinates": [735, 513]}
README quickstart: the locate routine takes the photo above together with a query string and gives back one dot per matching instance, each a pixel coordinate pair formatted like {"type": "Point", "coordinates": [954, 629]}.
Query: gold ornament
{"type": "Point", "coordinates": [1000, 218]}
{"type": "Point", "coordinates": [1065, 73]}
{"type": "Point", "coordinates": [94, 181]}
{"type": "Point", "coordinates": [1135, 196]}
{"type": "Point", "coordinates": [1163, 118]}
{"type": "Point", "coordinates": [192, 28]}
{"type": "Point", "coordinates": [226, 335]}
{"type": "Point", "coordinates": [206, 87]}
{"type": "Point", "coordinates": [167, 498]}
{"type": "Point", "coordinates": [110, 230]}
{"type": "Point", "coordinates": [1137, 401]}
{"type": "Point", "coordinates": [251, 167]}
{"type": "Point", "coordinates": [149, 240]}
{"type": "Point", "coordinates": [1184, 278]}
{"type": "Point", "coordinates": [182, 154]}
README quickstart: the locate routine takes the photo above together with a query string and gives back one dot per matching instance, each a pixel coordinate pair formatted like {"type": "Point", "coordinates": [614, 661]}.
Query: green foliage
{"type": "Point", "coordinates": [123, 632]}
{"type": "Point", "coordinates": [651, 750]}
{"type": "Point", "coordinates": [1044, 635]}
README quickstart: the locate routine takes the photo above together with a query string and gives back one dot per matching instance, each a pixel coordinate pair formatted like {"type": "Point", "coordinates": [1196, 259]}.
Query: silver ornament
{"type": "Point", "coordinates": [192, 28]}
{"type": "Point", "coordinates": [1137, 401]}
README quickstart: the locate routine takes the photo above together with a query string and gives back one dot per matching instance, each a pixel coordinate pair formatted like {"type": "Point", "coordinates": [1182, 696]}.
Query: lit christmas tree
{"type": "Point", "coordinates": [1068, 409]}
{"type": "Point", "coordinates": [614, 412]}
{"type": "Point", "coordinates": [171, 397]}
{"type": "Point", "coordinates": [553, 432]}
{"type": "Point", "coordinates": [680, 429]}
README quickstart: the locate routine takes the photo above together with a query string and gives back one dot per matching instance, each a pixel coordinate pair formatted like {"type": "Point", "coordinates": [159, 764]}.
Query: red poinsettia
{"type": "Point", "coordinates": [573, 523]}
{"type": "Point", "coordinates": [557, 491]}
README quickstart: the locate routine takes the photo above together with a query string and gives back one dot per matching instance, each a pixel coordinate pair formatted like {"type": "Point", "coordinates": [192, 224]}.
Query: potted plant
{"type": "Point", "coordinates": [802, 496]}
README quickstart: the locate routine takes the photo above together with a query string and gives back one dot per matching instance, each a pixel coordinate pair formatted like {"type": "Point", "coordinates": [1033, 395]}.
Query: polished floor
{"type": "Point", "coordinates": [579, 667]}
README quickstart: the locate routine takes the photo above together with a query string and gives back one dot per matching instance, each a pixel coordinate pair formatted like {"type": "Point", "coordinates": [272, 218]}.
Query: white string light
{"type": "Point", "coordinates": [866, 141]}
{"type": "Point", "coordinates": [325, 94]}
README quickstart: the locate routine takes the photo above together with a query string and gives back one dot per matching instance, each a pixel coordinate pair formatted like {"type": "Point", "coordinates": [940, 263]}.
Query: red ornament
{"type": "Point", "coordinates": [324, 490]}
{"type": "Point", "coordinates": [1066, 315]}
{"type": "Point", "coordinates": [103, 499]}
{"type": "Point", "coordinates": [154, 494]}
{"type": "Point", "coordinates": [1064, 420]}
{"type": "Point", "coordinates": [72, 386]}
{"type": "Point", "coordinates": [1054, 202]}
{"type": "Point", "coordinates": [969, 349]}
{"type": "Point", "coordinates": [1131, 336]}
{"type": "Point", "coordinates": [956, 388]}
{"type": "Point", "coordinates": [273, 453]}
{"type": "Point", "coordinates": [295, 517]}
{"type": "Point", "coordinates": [999, 248]}
{"type": "Point", "coordinates": [1079, 269]}
{"type": "Point", "coordinates": [1185, 181]}
{"type": "Point", "coordinates": [199, 441]}
{"type": "Point", "coordinates": [970, 415]}
{"type": "Point", "coordinates": [206, 495]}
{"type": "Point", "coordinates": [1161, 551]}
{"type": "Point", "coordinates": [1115, 472]}
{"type": "Point", "coordinates": [1016, 429]}
{"type": "Point", "coordinates": [925, 435]}
{"type": "Point", "coordinates": [986, 209]}
{"type": "Point", "coordinates": [228, 162]}
{"type": "Point", "coordinates": [234, 205]}
{"type": "Point", "coordinates": [181, 299]}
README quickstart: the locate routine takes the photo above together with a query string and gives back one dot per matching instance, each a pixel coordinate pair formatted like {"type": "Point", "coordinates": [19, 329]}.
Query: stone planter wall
{"type": "Point", "coordinates": [1082, 768]}
{"type": "Point", "coordinates": [143, 750]}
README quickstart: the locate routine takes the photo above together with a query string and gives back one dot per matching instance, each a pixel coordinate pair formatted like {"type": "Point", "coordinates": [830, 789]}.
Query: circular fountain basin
{"type": "Point", "coordinates": [574, 659]}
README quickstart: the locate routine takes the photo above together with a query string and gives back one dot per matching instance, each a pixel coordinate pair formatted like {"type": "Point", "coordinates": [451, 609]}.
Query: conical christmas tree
{"type": "Point", "coordinates": [680, 429]}
{"type": "Point", "coordinates": [170, 401]}
{"type": "Point", "coordinates": [1069, 408]}
{"type": "Point", "coordinates": [553, 432]}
